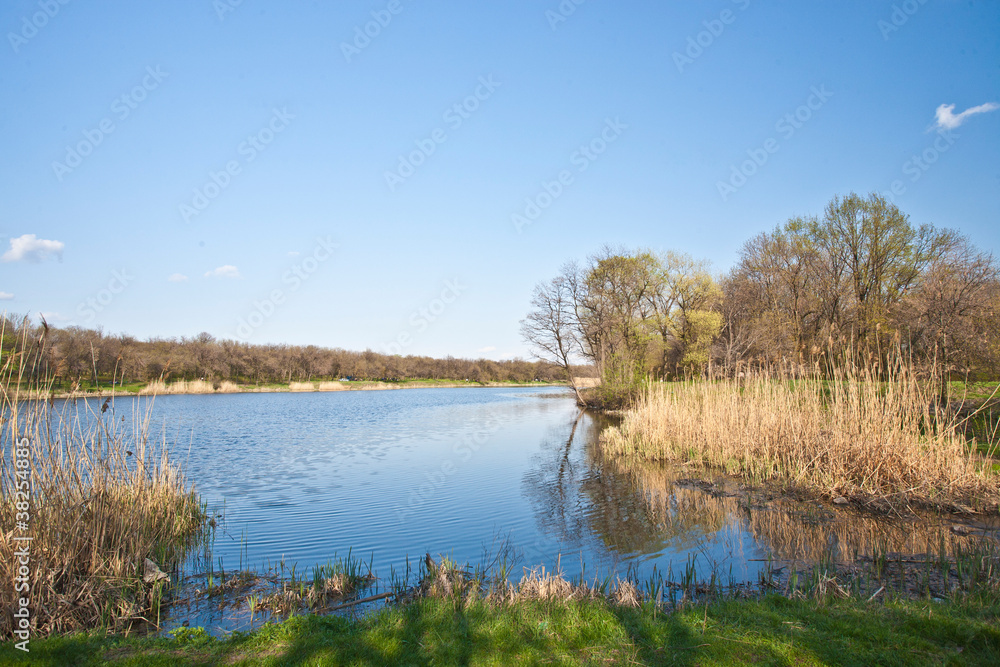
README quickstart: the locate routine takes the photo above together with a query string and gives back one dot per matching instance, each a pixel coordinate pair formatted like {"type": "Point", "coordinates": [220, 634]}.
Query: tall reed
{"type": "Point", "coordinates": [874, 432]}
{"type": "Point", "coordinates": [103, 498]}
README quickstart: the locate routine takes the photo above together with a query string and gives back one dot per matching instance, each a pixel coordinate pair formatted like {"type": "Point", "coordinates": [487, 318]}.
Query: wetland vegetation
{"type": "Point", "coordinates": [801, 466]}
{"type": "Point", "coordinates": [86, 503]}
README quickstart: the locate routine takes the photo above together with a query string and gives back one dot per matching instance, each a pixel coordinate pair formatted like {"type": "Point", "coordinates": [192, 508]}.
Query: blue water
{"type": "Point", "coordinates": [303, 478]}
{"type": "Point", "coordinates": [398, 474]}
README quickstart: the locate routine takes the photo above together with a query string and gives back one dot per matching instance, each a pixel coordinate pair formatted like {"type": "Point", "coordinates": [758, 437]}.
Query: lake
{"type": "Point", "coordinates": [393, 475]}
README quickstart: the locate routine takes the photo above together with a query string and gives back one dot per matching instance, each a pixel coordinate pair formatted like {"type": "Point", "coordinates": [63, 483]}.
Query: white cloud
{"type": "Point", "coordinates": [488, 348]}
{"type": "Point", "coordinates": [29, 248]}
{"type": "Point", "coordinates": [946, 119]}
{"type": "Point", "coordinates": [6, 296]}
{"type": "Point", "coordinates": [52, 316]}
{"type": "Point", "coordinates": [227, 271]}
{"type": "Point", "coordinates": [177, 277]}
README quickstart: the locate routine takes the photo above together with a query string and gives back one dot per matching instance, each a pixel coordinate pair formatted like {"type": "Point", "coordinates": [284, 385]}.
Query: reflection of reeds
{"type": "Point", "coordinates": [102, 500]}
{"type": "Point", "coordinates": [796, 536]}
{"type": "Point", "coordinates": [861, 434]}
{"type": "Point", "coordinates": [678, 512]}
{"type": "Point", "coordinates": [791, 530]}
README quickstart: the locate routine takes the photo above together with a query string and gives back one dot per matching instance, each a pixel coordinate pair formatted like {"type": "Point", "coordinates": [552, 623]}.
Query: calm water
{"type": "Point", "coordinates": [396, 474]}
{"type": "Point", "coordinates": [404, 473]}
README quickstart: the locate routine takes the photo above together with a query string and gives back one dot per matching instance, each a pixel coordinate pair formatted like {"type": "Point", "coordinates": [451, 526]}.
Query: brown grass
{"type": "Point", "coordinates": [858, 435]}
{"type": "Point", "coordinates": [103, 498]}
{"type": "Point", "coordinates": [159, 387]}
{"type": "Point", "coordinates": [332, 386]}
{"type": "Point", "coordinates": [586, 383]}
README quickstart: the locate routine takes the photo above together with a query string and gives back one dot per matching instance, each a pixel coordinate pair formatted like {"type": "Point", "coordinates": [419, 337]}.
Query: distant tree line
{"type": "Point", "coordinates": [74, 356]}
{"type": "Point", "coordinates": [858, 281]}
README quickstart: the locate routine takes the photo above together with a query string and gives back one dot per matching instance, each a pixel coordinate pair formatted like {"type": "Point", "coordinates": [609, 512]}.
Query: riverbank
{"type": "Point", "coordinates": [182, 387]}
{"type": "Point", "coordinates": [769, 630]}
{"type": "Point", "coordinates": [865, 434]}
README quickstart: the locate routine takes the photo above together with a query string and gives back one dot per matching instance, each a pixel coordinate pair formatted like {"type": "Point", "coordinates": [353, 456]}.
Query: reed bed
{"type": "Point", "coordinates": [159, 387]}
{"type": "Point", "coordinates": [102, 499]}
{"type": "Point", "coordinates": [873, 435]}
{"type": "Point", "coordinates": [972, 571]}
{"type": "Point", "coordinates": [332, 386]}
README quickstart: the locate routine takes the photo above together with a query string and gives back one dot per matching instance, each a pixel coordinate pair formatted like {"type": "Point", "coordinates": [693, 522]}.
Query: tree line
{"type": "Point", "coordinates": [74, 357]}
{"type": "Point", "coordinates": [858, 280]}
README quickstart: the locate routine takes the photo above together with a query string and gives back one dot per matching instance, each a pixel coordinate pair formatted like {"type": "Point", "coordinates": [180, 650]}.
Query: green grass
{"type": "Point", "coordinates": [973, 391]}
{"type": "Point", "coordinates": [773, 630]}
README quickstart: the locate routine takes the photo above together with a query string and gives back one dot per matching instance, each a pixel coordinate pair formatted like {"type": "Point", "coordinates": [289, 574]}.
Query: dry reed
{"type": "Point", "coordinates": [863, 434]}
{"type": "Point", "coordinates": [103, 498]}
{"type": "Point", "coordinates": [159, 387]}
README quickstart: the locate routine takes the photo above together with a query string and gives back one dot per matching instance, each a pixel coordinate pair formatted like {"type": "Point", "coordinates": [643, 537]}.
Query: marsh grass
{"type": "Point", "coordinates": [159, 387]}
{"type": "Point", "coordinates": [323, 587]}
{"type": "Point", "coordinates": [873, 434]}
{"type": "Point", "coordinates": [960, 572]}
{"type": "Point", "coordinates": [103, 498]}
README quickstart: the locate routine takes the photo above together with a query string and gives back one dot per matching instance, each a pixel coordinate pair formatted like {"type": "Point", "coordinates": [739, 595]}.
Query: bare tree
{"type": "Point", "coordinates": [551, 327]}
{"type": "Point", "coordinates": [950, 315]}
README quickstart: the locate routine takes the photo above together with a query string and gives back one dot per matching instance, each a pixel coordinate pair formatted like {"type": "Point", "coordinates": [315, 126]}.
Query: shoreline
{"type": "Point", "coordinates": [200, 387]}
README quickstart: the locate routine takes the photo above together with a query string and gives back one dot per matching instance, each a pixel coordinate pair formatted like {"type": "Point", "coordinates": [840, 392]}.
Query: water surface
{"type": "Point", "coordinates": [394, 475]}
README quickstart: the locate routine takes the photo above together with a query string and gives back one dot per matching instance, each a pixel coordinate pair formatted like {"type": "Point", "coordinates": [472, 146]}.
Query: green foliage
{"type": "Point", "coordinates": [703, 327]}
{"type": "Point", "coordinates": [632, 314]}
{"type": "Point", "coordinates": [196, 636]}
{"type": "Point", "coordinates": [622, 379]}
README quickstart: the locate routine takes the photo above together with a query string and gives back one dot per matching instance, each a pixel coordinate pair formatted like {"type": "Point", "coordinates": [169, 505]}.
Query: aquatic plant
{"type": "Point", "coordinates": [101, 504]}
{"type": "Point", "coordinates": [875, 434]}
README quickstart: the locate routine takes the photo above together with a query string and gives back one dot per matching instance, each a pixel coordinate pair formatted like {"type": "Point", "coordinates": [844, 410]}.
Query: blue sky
{"type": "Point", "coordinates": [268, 172]}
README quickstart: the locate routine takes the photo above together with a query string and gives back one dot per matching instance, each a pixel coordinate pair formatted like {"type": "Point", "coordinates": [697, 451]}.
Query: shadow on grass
{"type": "Point", "coordinates": [769, 631]}
{"type": "Point", "coordinates": [781, 631]}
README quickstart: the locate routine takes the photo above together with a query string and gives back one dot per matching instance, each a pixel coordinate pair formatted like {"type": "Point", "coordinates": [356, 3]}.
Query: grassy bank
{"type": "Point", "coordinates": [466, 615]}
{"type": "Point", "coordinates": [772, 630]}
{"type": "Point", "coordinates": [87, 499]}
{"type": "Point", "coordinates": [871, 437]}
{"type": "Point", "coordinates": [226, 387]}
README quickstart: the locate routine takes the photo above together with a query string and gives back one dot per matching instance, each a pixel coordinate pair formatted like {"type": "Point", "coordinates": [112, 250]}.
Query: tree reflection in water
{"type": "Point", "coordinates": [615, 511]}
{"type": "Point", "coordinates": [586, 503]}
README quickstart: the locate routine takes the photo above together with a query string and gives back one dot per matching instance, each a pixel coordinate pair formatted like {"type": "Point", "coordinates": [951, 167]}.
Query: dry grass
{"type": "Point", "coordinates": [160, 388]}
{"type": "Point", "coordinates": [857, 435]}
{"type": "Point", "coordinates": [466, 585]}
{"type": "Point", "coordinates": [330, 590]}
{"type": "Point", "coordinates": [332, 386]}
{"type": "Point", "coordinates": [102, 500]}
